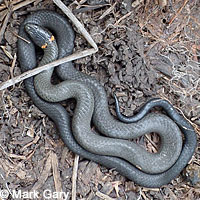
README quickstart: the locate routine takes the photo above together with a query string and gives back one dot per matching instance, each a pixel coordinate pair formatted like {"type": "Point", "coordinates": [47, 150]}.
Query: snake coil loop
{"type": "Point", "coordinates": [27, 59]}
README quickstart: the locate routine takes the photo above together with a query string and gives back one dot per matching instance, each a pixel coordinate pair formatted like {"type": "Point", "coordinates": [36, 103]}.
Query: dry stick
{"type": "Point", "coordinates": [122, 18]}
{"type": "Point", "coordinates": [12, 3]}
{"type": "Point", "coordinates": [72, 57]}
{"type": "Point", "coordinates": [8, 54]}
{"type": "Point", "coordinates": [3, 28]}
{"type": "Point", "coordinates": [85, 9]}
{"type": "Point", "coordinates": [103, 196]}
{"type": "Point", "coordinates": [13, 65]}
{"type": "Point", "coordinates": [77, 23]}
{"type": "Point", "coordinates": [107, 12]}
{"type": "Point", "coordinates": [180, 9]}
{"type": "Point", "coordinates": [35, 71]}
{"type": "Point", "coordinates": [22, 4]}
{"type": "Point", "coordinates": [56, 175]}
{"type": "Point", "coordinates": [74, 176]}
{"type": "Point", "coordinates": [3, 14]}
{"type": "Point", "coordinates": [18, 36]}
{"type": "Point", "coordinates": [16, 7]}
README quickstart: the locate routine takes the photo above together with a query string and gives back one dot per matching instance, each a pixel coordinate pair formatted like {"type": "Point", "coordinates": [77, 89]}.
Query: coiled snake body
{"type": "Point", "coordinates": [171, 145]}
{"type": "Point", "coordinates": [58, 114]}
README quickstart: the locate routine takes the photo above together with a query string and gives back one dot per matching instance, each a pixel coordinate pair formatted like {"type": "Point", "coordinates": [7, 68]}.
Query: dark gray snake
{"type": "Point", "coordinates": [27, 61]}
{"type": "Point", "coordinates": [171, 141]}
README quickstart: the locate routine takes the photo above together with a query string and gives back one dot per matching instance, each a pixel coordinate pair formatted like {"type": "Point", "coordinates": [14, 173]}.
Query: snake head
{"type": "Point", "coordinates": [40, 36]}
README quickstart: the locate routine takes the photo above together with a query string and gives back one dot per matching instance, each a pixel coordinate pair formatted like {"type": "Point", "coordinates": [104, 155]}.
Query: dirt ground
{"type": "Point", "coordinates": [145, 51]}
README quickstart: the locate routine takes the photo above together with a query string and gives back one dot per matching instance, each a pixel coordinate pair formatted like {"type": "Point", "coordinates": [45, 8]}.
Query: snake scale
{"type": "Point", "coordinates": [27, 59]}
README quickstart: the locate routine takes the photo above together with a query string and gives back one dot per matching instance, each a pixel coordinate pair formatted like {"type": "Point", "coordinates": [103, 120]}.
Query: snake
{"type": "Point", "coordinates": [136, 155]}
{"type": "Point", "coordinates": [27, 60]}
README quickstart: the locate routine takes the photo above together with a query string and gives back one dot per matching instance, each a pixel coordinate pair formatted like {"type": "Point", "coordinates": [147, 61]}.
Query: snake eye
{"type": "Point", "coordinates": [39, 35]}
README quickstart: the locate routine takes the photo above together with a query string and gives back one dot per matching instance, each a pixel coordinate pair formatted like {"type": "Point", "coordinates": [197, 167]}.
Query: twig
{"type": "Point", "coordinates": [103, 196]}
{"type": "Point", "coordinates": [3, 14]}
{"type": "Point", "coordinates": [18, 36]}
{"type": "Point", "coordinates": [122, 18]}
{"type": "Point", "coordinates": [76, 22]}
{"type": "Point", "coordinates": [22, 4]}
{"type": "Point", "coordinates": [12, 3]}
{"type": "Point", "coordinates": [107, 12]}
{"type": "Point", "coordinates": [10, 10]}
{"type": "Point", "coordinates": [56, 175]}
{"type": "Point", "coordinates": [13, 65]}
{"type": "Point", "coordinates": [8, 54]}
{"type": "Point", "coordinates": [35, 71]}
{"type": "Point", "coordinates": [3, 28]}
{"type": "Point", "coordinates": [152, 143]}
{"type": "Point", "coordinates": [74, 177]}
{"type": "Point", "coordinates": [72, 57]}
{"type": "Point", "coordinates": [89, 8]}
{"type": "Point", "coordinates": [178, 12]}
